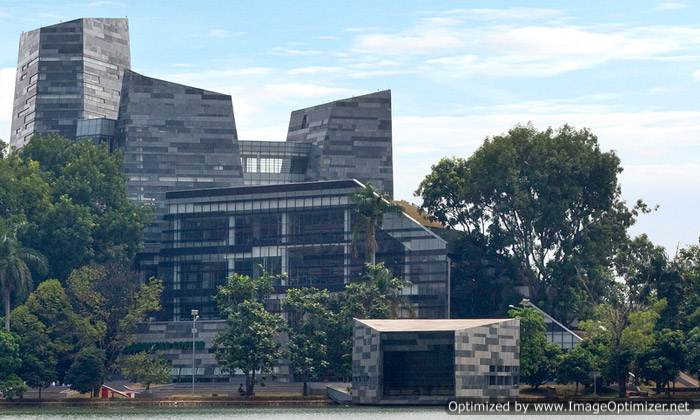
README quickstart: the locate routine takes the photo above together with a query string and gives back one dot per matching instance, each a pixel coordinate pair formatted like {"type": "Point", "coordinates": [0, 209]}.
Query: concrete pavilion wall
{"type": "Point", "coordinates": [476, 349]}
{"type": "Point", "coordinates": [366, 365]}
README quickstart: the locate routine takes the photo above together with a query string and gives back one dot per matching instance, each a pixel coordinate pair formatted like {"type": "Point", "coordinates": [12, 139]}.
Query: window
{"type": "Point", "coordinates": [204, 229]}
{"type": "Point", "coordinates": [270, 165]}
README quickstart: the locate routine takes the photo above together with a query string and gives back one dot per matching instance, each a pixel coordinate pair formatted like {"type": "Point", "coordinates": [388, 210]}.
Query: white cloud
{"type": "Point", "coordinates": [530, 51]}
{"type": "Point", "coordinates": [671, 5]}
{"type": "Point", "coordinates": [294, 51]}
{"type": "Point", "coordinates": [635, 136]}
{"type": "Point", "coordinates": [302, 90]}
{"type": "Point", "coordinates": [696, 74]}
{"type": "Point", "coordinates": [207, 78]}
{"type": "Point", "coordinates": [105, 3]}
{"type": "Point", "coordinates": [219, 33]}
{"type": "Point", "coordinates": [423, 41]}
{"type": "Point", "coordinates": [515, 13]}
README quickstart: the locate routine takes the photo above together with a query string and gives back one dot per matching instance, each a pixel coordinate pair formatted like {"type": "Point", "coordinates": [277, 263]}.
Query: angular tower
{"type": "Point", "coordinates": [352, 139]}
{"type": "Point", "coordinates": [68, 72]}
{"type": "Point", "coordinates": [174, 137]}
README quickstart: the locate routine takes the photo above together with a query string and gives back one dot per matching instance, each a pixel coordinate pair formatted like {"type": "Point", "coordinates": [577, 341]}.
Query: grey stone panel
{"type": "Point", "coordinates": [352, 138]}
{"type": "Point", "coordinates": [174, 137]}
{"type": "Point", "coordinates": [67, 72]}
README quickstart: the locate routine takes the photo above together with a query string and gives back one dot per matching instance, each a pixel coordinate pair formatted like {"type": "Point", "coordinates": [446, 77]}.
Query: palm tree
{"type": "Point", "coordinates": [370, 206]}
{"type": "Point", "coordinates": [15, 275]}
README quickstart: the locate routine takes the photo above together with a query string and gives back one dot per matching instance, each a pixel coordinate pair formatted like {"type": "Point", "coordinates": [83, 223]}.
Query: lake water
{"type": "Point", "coordinates": [316, 413]}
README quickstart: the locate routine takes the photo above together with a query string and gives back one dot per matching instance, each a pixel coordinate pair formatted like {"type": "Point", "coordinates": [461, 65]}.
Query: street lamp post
{"type": "Point", "coordinates": [195, 317]}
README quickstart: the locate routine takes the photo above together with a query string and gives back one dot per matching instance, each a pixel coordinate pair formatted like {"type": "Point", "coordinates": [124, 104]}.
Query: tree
{"type": "Point", "coordinates": [369, 208]}
{"type": "Point", "coordinates": [38, 368]}
{"type": "Point", "coordinates": [539, 359]}
{"type": "Point", "coordinates": [67, 331]}
{"type": "Point", "coordinates": [10, 384]}
{"type": "Point", "coordinates": [687, 262]}
{"type": "Point", "coordinates": [376, 294]}
{"type": "Point", "coordinates": [625, 329]}
{"type": "Point", "coordinates": [146, 368]}
{"type": "Point", "coordinates": [113, 299]}
{"type": "Point", "coordinates": [309, 321]}
{"type": "Point", "coordinates": [9, 353]}
{"type": "Point", "coordinates": [652, 275]}
{"type": "Point", "coordinates": [483, 282]}
{"type": "Point", "coordinates": [576, 366]}
{"type": "Point", "coordinates": [249, 340]}
{"type": "Point", "coordinates": [693, 346]}
{"type": "Point", "coordinates": [15, 263]}
{"type": "Point", "coordinates": [89, 218]}
{"type": "Point", "coordinates": [666, 359]}
{"type": "Point", "coordinates": [87, 372]}
{"type": "Point", "coordinates": [550, 199]}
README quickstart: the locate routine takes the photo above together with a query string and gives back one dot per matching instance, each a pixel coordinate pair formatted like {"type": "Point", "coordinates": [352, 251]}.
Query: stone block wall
{"type": "Point", "coordinates": [366, 365]}
{"type": "Point", "coordinates": [487, 352]}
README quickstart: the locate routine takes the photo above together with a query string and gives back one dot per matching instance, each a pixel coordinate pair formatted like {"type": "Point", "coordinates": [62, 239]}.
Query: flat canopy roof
{"type": "Point", "coordinates": [414, 325]}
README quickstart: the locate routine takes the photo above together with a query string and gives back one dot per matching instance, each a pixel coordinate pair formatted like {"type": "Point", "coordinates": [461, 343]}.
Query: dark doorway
{"type": "Point", "coordinates": [418, 364]}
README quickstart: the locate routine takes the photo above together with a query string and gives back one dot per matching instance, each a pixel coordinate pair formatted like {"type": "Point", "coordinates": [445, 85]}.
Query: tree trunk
{"type": "Point", "coordinates": [371, 242]}
{"type": "Point", "coordinates": [576, 392]}
{"type": "Point", "coordinates": [6, 302]}
{"type": "Point", "coordinates": [622, 384]}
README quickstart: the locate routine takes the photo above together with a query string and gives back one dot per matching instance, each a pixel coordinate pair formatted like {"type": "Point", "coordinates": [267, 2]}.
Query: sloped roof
{"type": "Point", "coordinates": [414, 325]}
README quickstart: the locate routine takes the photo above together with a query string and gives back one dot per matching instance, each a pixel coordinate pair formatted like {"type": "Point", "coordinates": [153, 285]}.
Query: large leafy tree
{"type": "Point", "coordinates": [10, 384]}
{"type": "Point", "coordinates": [369, 208]}
{"type": "Point", "coordinates": [10, 359]}
{"type": "Point", "coordinates": [539, 359]}
{"type": "Point", "coordinates": [309, 323]}
{"type": "Point", "coordinates": [249, 342]}
{"type": "Point", "coordinates": [112, 298]}
{"type": "Point", "coordinates": [693, 346]}
{"type": "Point", "coordinates": [87, 372]}
{"type": "Point", "coordinates": [38, 368]}
{"type": "Point", "coordinates": [576, 366]}
{"type": "Point", "coordinates": [89, 217]}
{"type": "Point", "coordinates": [146, 368]}
{"type": "Point", "coordinates": [624, 329]}
{"type": "Point", "coordinates": [550, 199]}
{"type": "Point", "coordinates": [376, 294]}
{"type": "Point", "coordinates": [687, 262]}
{"type": "Point", "coordinates": [67, 331]}
{"type": "Point", "coordinates": [651, 275]}
{"type": "Point", "coordinates": [666, 358]}
{"type": "Point", "coordinates": [15, 263]}
{"type": "Point", "coordinates": [482, 280]}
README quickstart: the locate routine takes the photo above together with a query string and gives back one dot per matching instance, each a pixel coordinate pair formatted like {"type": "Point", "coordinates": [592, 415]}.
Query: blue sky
{"type": "Point", "coordinates": [459, 71]}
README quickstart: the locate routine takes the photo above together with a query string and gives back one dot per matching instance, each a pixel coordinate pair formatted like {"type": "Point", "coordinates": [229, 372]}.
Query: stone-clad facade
{"type": "Point", "coordinates": [173, 340]}
{"type": "Point", "coordinates": [443, 359]}
{"type": "Point", "coordinates": [352, 139]}
{"type": "Point", "coordinates": [487, 360]}
{"type": "Point", "coordinates": [67, 72]}
{"type": "Point", "coordinates": [174, 137]}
